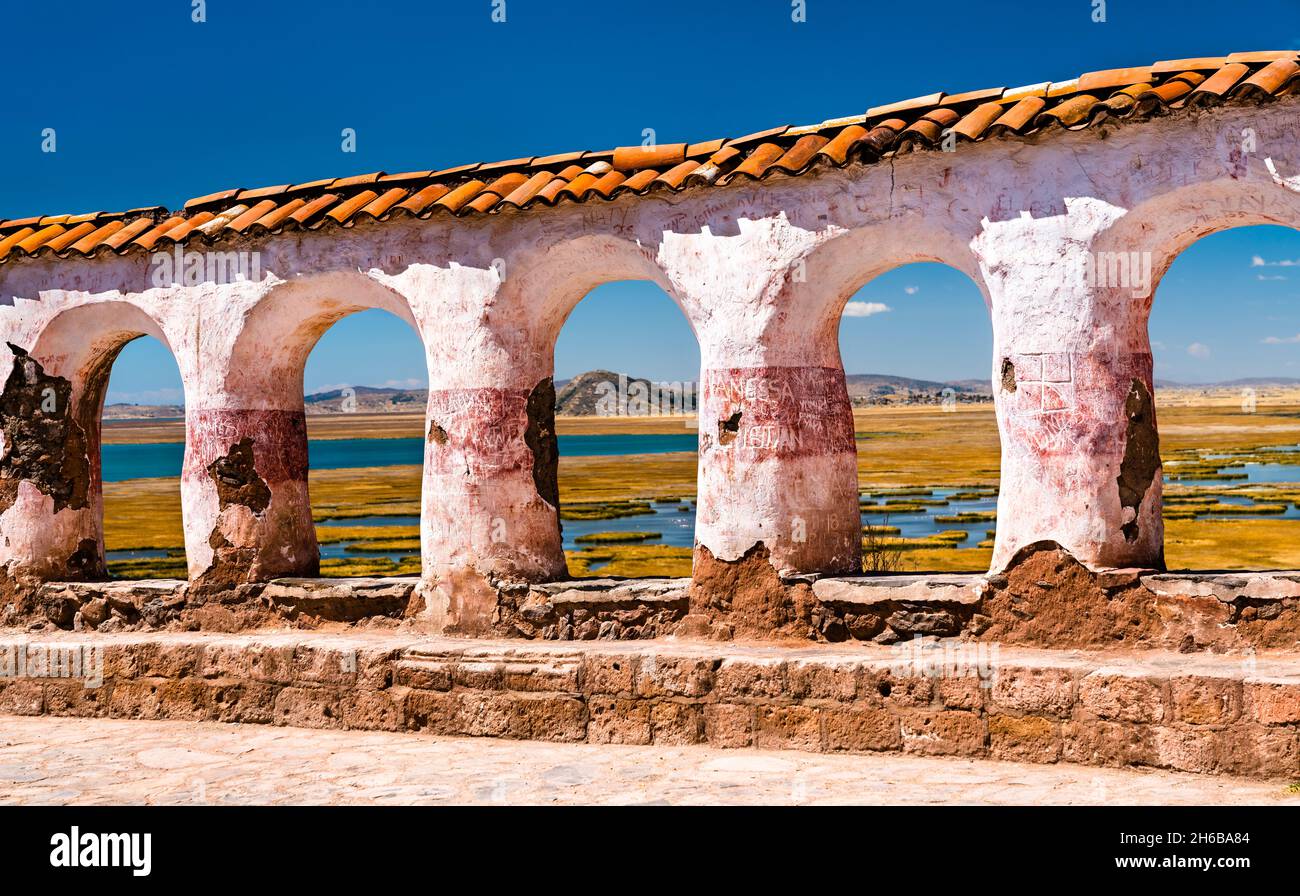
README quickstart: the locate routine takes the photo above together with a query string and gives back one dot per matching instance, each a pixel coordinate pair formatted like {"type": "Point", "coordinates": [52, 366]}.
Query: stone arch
{"type": "Point", "coordinates": [57, 523]}
{"type": "Point", "coordinates": [279, 330]}
{"type": "Point", "coordinates": [542, 288]}
{"type": "Point", "coordinates": [1166, 224]}
{"type": "Point", "coordinates": [245, 479]}
{"type": "Point", "coordinates": [816, 293]}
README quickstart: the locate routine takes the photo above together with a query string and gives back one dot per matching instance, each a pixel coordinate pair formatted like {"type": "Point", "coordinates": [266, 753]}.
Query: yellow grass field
{"type": "Point", "coordinates": [898, 446]}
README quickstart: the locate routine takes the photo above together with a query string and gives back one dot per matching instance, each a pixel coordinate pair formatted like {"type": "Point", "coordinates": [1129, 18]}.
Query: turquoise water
{"type": "Point", "coordinates": [163, 459]}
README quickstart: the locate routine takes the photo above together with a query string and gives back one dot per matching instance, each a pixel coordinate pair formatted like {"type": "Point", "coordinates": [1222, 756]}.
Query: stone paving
{"type": "Point", "coordinates": [103, 761]}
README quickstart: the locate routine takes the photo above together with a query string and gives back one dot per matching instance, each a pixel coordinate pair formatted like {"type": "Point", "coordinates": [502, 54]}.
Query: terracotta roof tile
{"type": "Point", "coordinates": [13, 239]}
{"type": "Point", "coordinates": [147, 239]}
{"type": "Point", "coordinates": [41, 237]}
{"type": "Point", "coordinates": [758, 136]}
{"type": "Point", "coordinates": [383, 203]}
{"type": "Point", "coordinates": [261, 192]}
{"type": "Point", "coordinates": [210, 199]}
{"type": "Point", "coordinates": [309, 210]}
{"type": "Point", "coordinates": [528, 189]}
{"type": "Point", "coordinates": [358, 180]}
{"type": "Point", "coordinates": [920, 102]}
{"type": "Point", "coordinates": [1019, 116]}
{"type": "Point", "coordinates": [87, 244]}
{"type": "Point", "coordinates": [1271, 80]}
{"type": "Point", "coordinates": [1113, 78]}
{"type": "Point", "coordinates": [406, 177]}
{"type": "Point", "coordinates": [1218, 84]}
{"type": "Point", "coordinates": [1202, 63]}
{"type": "Point", "coordinates": [456, 199]}
{"type": "Point", "coordinates": [128, 233]}
{"type": "Point", "coordinates": [634, 158]}
{"type": "Point", "coordinates": [1263, 56]}
{"type": "Point", "coordinates": [557, 159]}
{"type": "Point", "coordinates": [252, 216]}
{"type": "Point", "coordinates": [279, 215]}
{"type": "Point", "coordinates": [418, 202]}
{"type": "Point", "coordinates": [973, 125]}
{"type": "Point", "coordinates": [528, 182]}
{"type": "Point", "coordinates": [838, 149]}
{"type": "Point", "coordinates": [757, 162]}
{"type": "Point", "coordinates": [345, 209]}
{"type": "Point", "coordinates": [70, 236]}
{"type": "Point", "coordinates": [974, 96]}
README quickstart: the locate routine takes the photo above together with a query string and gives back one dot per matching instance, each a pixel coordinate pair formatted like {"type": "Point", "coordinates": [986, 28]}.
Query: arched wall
{"type": "Point", "coordinates": [51, 500]}
{"type": "Point", "coordinates": [245, 478]}
{"type": "Point", "coordinates": [1028, 211]}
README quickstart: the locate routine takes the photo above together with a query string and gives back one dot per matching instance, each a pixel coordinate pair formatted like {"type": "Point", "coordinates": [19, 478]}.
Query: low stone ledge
{"type": "Point", "coordinates": [341, 600]}
{"type": "Point", "coordinates": [1226, 586]}
{"type": "Point", "coordinates": [870, 590]}
{"type": "Point", "coordinates": [593, 609]}
{"type": "Point", "coordinates": [1204, 713]}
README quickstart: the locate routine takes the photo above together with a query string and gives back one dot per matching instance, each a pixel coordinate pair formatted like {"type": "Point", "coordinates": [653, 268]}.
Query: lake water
{"type": "Point", "coordinates": [675, 526]}
{"type": "Point", "coordinates": [163, 459]}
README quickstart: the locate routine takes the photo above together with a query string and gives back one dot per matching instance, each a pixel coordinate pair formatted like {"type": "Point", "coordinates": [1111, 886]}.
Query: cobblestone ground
{"type": "Point", "coordinates": [48, 760]}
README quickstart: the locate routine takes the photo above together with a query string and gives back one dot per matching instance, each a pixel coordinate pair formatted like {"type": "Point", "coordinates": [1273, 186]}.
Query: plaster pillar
{"type": "Point", "coordinates": [51, 493]}
{"type": "Point", "coordinates": [777, 458]}
{"type": "Point", "coordinates": [490, 492]}
{"type": "Point", "coordinates": [244, 487]}
{"type": "Point", "coordinates": [778, 466]}
{"type": "Point", "coordinates": [1072, 382]}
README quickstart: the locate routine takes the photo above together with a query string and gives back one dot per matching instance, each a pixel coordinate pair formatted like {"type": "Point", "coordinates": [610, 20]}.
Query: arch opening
{"type": "Point", "coordinates": [364, 393]}
{"type": "Point", "coordinates": [916, 344]}
{"type": "Point", "coordinates": [626, 363]}
{"type": "Point", "coordinates": [1224, 330]}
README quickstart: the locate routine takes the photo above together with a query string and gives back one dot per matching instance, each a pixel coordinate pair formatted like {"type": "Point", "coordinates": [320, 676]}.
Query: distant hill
{"type": "Point", "coordinates": [580, 395]}
{"type": "Point", "coordinates": [367, 400]}
{"type": "Point", "coordinates": [143, 411]}
{"type": "Point", "coordinates": [869, 385]}
{"type": "Point", "coordinates": [590, 393]}
{"type": "Point", "coordinates": [1232, 384]}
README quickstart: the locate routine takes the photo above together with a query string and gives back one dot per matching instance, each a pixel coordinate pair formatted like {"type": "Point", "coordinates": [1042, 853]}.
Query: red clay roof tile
{"type": "Point", "coordinates": [418, 202]}
{"type": "Point", "coordinates": [210, 199]}
{"type": "Point", "coordinates": [1215, 86]}
{"type": "Point", "coordinates": [40, 238]}
{"type": "Point", "coordinates": [584, 176]}
{"type": "Point", "coordinates": [309, 210]}
{"type": "Point", "coordinates": [634, 158]}
{"type": "Point", "coordinates": [59, 243]}
{"type": "Point", "coordinates": [280, 215]}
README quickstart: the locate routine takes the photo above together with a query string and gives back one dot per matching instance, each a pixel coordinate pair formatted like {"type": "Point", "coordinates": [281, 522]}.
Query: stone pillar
{"type": "Point", "coordinates": [1073, 386]}
{"type": "Point", "coordinates": [51, 497]}
{"type": "Point", "coordinates": [490, 495]}
{"type": "Point", "coordinates": [244, 489]}
{"type": "Point", "coordinates": [778, 468]}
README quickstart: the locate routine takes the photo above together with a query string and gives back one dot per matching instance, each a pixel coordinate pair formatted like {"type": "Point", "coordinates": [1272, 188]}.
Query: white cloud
{"type": "Point", "coordinates": [865, 309]}
{"type": "Point", "coordinates": [1258, 262]}
{"type": "Point", "coordinates": [911, 290]}
{"type": "Point", "coordinates": [408, 383]}
{"type": "Point", "coordinates": [1281, 340]}
{"type": "Point", "coordinates": [1269, 277]}
{"type": "Point", "coordinates": [1158, 346]}
{"type": "Point", "coordinates": [1198, 350]}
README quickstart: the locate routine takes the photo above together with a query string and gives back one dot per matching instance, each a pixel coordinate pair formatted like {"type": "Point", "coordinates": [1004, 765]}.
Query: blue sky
{"type": "Point", "coordinates": [152, 108]}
